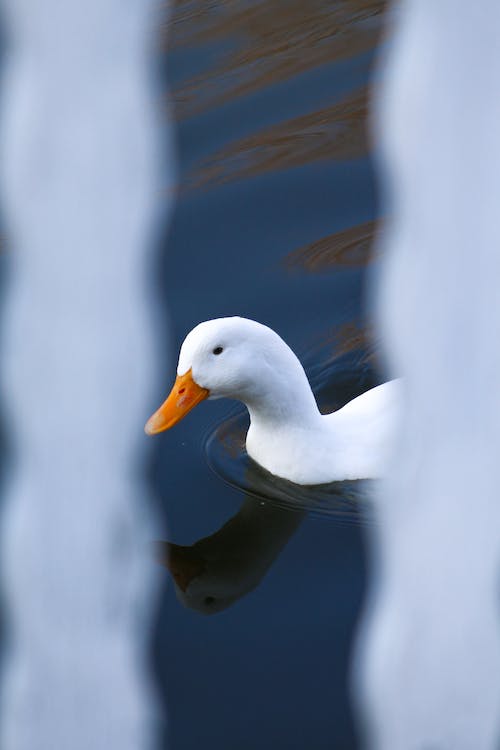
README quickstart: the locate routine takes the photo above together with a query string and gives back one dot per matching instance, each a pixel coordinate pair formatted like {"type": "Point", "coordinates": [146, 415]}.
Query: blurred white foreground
{"type": "Point", "coordinates": [78, 162]}
{"type": "Point", "coordinates": [430, 648]}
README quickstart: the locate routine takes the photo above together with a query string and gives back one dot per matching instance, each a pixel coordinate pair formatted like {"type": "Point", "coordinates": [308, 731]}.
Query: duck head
{"type": "Point", "coordinates": [232, 358]}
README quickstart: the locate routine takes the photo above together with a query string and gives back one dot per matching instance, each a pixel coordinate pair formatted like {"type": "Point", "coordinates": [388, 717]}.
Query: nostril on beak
{"type": "Point", "coordinates": [181, 391]}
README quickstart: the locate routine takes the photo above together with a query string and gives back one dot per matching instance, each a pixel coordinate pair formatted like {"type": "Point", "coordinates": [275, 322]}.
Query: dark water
{"type": "Point", "coordinates": [274, 221]}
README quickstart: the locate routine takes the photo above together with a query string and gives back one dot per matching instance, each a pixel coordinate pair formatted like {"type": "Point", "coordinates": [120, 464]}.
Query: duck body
{"type": "Point", "coordinates": [288, 436]}
{"type": "Point", "coordinates": [351, 443]}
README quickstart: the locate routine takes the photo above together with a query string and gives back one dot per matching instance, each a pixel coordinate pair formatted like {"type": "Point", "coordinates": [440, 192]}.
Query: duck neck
{"type": "Point", "coordinates": [285, 401]}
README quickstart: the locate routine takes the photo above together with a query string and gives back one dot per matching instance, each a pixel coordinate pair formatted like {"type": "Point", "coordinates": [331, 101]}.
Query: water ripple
{"type": "Point", "coordinates": [226, 455]}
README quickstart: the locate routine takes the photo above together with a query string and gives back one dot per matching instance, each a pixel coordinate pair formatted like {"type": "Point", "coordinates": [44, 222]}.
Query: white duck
{"type": "Point", "coordinates": [240, 359]}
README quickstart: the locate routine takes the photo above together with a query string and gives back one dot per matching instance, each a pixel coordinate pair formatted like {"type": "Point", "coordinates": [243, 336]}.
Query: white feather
{"type": "Point", "coordinates": [288, 435]}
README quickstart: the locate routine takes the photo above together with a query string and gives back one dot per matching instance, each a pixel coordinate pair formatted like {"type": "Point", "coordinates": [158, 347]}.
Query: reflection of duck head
{"type": "Point", "coordinates": [244, 360]}
{"type": "Point", "coordinates": [218, 570]}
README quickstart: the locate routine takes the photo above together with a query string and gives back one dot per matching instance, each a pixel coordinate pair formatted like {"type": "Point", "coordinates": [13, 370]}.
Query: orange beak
{"type": "Point", "coordinates": [182, 398]}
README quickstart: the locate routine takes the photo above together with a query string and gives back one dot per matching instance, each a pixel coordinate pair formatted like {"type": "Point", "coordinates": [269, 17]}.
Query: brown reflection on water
{"type": "Point", "coordinates": [350, 248]}
{"type": "Point", "coordinates": [338, 131]}
{"type": "Point", "coordinates": [271, 41]}
{"type": "Point", "coordinates": [352, 336]}
{"type": "Point", "coordinates": [233, 439]}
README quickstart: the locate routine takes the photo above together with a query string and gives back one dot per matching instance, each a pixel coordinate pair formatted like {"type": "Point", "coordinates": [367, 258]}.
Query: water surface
{"type": "Point", "coordinates": [274, 220]}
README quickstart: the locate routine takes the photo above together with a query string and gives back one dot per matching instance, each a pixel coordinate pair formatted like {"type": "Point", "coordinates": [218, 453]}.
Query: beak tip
{"type": "Point", "coordinates": [149, 427]}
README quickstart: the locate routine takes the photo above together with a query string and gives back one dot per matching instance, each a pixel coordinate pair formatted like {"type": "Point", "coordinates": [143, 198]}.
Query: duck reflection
{"type": "Point", "coordinates": [217, 570]}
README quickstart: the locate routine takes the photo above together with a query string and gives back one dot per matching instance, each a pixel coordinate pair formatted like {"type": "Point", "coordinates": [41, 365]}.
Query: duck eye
{"type": "Point", "coordinates": [218, 350]}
